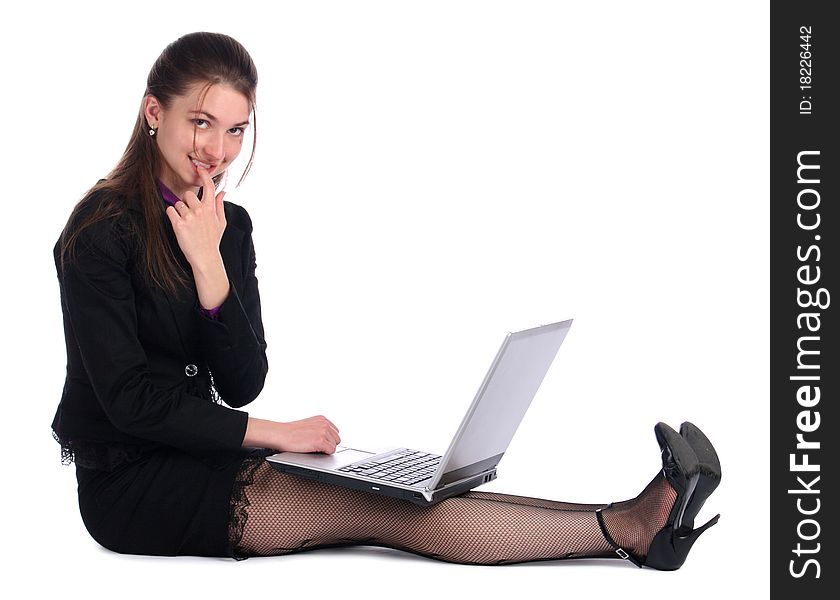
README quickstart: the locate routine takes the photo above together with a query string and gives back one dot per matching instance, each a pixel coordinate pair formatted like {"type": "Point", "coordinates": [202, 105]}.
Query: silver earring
{"type": "Point", "coordinates": [152, 131]}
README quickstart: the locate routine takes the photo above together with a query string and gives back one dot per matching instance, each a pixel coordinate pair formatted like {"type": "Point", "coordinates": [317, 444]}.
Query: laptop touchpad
{"type": "Point", "coordinates": [340, 458]}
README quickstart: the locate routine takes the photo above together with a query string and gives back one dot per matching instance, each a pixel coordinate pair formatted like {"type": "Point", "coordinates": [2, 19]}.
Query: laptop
{"type": "Point", "coordinates": [480, 442]}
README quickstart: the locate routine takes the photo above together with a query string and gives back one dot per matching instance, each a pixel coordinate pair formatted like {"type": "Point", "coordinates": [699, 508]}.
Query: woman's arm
{"type": "Point", "coordinates": [211, 283]}
{"type": "Point", "coordinates": [233, 341]}
{"type": "Point", "coordinates": [315, 434]}
{"type": "Point", "coordinates": [232, 338]}
{"type": "Point", "coordinates": [98, 298]}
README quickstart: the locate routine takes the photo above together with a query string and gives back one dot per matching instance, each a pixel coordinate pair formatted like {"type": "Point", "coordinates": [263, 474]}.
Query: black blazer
{"type": "Point", "coordinates": [142, 366]}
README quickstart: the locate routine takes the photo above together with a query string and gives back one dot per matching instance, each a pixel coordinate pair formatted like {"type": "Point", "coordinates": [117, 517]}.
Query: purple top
{"type": "Point", "coordinates": [170, 198]}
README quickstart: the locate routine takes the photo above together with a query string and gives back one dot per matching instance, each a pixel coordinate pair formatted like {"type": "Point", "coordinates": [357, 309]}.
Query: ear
{"type": "Point", "coordinates": [152, 110]}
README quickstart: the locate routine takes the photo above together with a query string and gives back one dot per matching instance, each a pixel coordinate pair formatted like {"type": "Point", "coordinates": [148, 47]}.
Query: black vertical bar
{"type": "Point", "coordinates": [804, 365]}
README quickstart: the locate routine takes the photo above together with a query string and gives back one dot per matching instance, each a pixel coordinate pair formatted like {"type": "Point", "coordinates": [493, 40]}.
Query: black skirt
{"type": "Point", "coordinates": [169, 503]}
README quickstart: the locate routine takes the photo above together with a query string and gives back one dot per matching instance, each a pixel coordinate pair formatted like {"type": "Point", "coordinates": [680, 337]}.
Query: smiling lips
{"type": "Point", "coordinates": [198, 163]}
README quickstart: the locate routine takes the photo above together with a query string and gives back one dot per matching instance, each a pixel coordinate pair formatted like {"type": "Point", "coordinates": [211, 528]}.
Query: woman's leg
{"type": "Point", "coordinates": [287, 513]}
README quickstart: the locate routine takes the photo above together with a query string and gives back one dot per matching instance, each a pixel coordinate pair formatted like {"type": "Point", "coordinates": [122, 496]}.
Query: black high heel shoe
{"type": "Point", "coordinates": [671, 545]}
{"type": "Point", "coordinates": [709, 471]}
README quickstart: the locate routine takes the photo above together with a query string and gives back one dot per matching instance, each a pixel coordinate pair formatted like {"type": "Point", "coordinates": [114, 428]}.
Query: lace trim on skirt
{"type": "Point", "coordinates": [103, 456]}
{"type": "Point", "coordinates": [239, 502]}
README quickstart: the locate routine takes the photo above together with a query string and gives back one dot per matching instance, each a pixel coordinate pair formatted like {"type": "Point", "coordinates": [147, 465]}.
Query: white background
{"type": "Point", "coordinates": [429, 176]}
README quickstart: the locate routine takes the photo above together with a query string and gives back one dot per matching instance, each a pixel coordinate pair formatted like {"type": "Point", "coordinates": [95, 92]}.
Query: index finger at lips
{"type": "Point", "coordinates": [209, 186]}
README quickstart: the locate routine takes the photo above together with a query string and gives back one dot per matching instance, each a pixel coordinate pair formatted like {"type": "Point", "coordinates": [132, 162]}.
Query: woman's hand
{"type": "Point", "coordinates": [314, 434]}
{"type": "Point", "coordinates": [199, 224]}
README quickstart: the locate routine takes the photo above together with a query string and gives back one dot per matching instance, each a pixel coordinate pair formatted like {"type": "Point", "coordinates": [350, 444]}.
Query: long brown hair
{"type": "Point", "coordinates": [208, 58]}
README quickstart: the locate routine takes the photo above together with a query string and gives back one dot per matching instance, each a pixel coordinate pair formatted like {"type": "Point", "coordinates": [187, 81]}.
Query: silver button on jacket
{"type": "Point", "coordinates": [191, 370]}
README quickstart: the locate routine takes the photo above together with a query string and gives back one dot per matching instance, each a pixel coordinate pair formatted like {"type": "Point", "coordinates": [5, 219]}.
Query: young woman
{"type": "Point", "coordinates": [162, 324]}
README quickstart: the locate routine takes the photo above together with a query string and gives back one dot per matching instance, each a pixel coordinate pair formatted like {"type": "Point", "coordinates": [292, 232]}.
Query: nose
{"type": "Point", "coordinates": [213, 148]}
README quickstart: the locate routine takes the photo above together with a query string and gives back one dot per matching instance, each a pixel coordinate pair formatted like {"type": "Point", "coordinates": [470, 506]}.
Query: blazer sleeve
{"type": "Point", "coordinates": [234, 341]}
{"type": "Point", "coordinates": [99, 298]}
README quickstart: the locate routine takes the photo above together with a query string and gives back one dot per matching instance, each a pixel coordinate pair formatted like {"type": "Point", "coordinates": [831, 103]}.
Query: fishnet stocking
{"type": "Point", "coordinates": [282, 514]}
{"type": "Point", "coordinates": [634, 523]}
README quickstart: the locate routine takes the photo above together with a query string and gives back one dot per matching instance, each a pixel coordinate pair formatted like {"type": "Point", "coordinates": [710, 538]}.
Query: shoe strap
{"type": "Point", "coordinates": [618, 549]}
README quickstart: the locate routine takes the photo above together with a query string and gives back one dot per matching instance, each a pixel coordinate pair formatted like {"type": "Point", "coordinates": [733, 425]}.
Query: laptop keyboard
{"type": "Point", "coordinates": [403, 466]}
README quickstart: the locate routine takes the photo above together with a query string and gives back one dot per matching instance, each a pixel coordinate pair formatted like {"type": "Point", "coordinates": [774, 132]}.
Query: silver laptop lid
{"type": "Point", "coordinates": [501, 402]}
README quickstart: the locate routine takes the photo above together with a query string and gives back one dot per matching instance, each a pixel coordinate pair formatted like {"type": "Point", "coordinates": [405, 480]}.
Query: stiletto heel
{"type": "Point", "coordinates": [669, 549]}
{"type": "Point", "coordinates": [709, 471]}
{"type": "Point", "coordinates": [682, 469]}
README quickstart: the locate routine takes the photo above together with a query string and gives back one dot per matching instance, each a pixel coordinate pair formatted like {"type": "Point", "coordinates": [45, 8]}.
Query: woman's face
{"type": "Point", "coordinates": [218, 128]}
